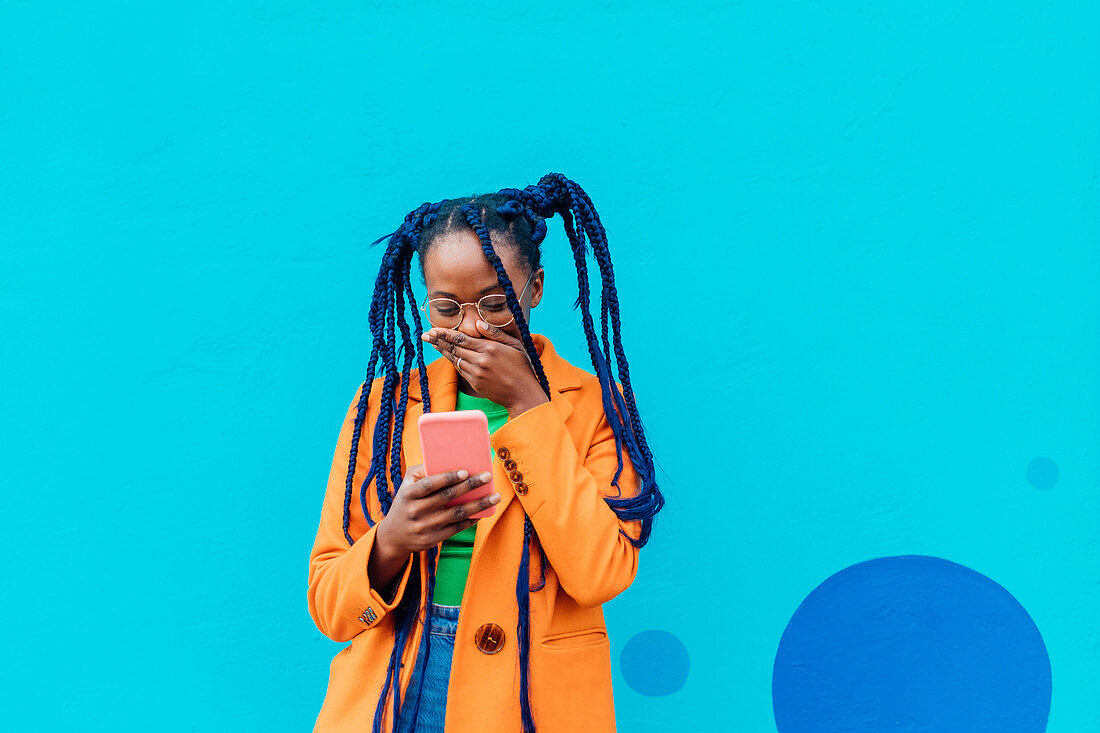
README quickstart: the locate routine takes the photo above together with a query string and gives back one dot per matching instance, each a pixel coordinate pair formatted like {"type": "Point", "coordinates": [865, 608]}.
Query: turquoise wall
{"type": "Point", "coordinates": [860, 239]}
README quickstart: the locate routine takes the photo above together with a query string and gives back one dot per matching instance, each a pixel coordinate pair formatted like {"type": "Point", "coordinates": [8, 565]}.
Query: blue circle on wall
{"type": "Point", "coordinates": [1042, 472]}
{"type": "Point", "coordinates": [911, 643]}
{"type": "Point", "coordinates": [654, 663]}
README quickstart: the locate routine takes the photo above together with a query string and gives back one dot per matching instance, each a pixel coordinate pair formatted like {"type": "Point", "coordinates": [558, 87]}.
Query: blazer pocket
{"type": "Point", "coordinates": [573, 639]}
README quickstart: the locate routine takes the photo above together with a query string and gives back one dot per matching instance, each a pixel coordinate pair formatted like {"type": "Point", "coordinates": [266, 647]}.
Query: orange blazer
{"type": "Point", "coordinates": [565, 454]}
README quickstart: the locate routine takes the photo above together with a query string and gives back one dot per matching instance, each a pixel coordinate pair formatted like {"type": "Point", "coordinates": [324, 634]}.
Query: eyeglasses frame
{"type": "Point", "coordinates": [477, 305]}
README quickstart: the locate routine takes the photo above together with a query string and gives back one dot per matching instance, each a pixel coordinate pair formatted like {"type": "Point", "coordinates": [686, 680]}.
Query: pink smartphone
{"type": "Point", "coordinates": [454, 440]}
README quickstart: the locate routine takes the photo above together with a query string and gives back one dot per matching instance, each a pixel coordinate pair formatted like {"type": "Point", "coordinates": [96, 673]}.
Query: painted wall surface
{"type": "Point", "coordinates": [864, 234]}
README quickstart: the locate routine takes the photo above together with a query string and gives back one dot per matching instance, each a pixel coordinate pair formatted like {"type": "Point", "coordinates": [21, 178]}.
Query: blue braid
{"type": "Point", "coordinates": [523, 627]}
{"type": "Point", "coordinates": [387, 312]}
{"type": "Point", "coordinates": [603, 365]}
{"type": "Point", "coordinates": [376, 314]}
{"type": "Point", "coordinates": [649, 501]}
{"type": "Point", "coordinates": [557, 194]}
{"type": "Point", "coordinates": [523, 590]}
{"type": "Point", "coordinates": [408, 349]}
{"type": "Point", "coordinates": [419, 351]}
{"type": "Point", "coordinates": [405, 628]}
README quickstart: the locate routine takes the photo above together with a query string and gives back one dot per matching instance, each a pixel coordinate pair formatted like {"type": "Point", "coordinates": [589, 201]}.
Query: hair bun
{"type": "Point", "coordinates": [539, 232]}
{"type": "Point", "coordinates": [510, 209]}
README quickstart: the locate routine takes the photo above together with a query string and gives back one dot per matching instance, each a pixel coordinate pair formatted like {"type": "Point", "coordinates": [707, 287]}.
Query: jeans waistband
{"type": "Point", "coordinates": [444, 619]}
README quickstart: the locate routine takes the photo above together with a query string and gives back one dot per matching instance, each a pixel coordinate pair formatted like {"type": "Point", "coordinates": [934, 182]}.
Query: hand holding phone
{"type": "Point", "coordinates": [418, 520]}
{"type": "Point", "coordinates": [425, 512]}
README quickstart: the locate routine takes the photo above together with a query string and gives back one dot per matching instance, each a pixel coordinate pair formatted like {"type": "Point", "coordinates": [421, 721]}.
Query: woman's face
{"type": "Point", "coordinates": [455, 267]}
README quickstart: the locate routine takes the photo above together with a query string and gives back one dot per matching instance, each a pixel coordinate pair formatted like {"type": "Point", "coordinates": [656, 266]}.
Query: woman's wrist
{"type": "Point", "coordinates": [385, 562]}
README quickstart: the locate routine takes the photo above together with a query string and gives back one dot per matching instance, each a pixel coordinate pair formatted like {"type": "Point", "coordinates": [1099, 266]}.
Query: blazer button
{"type": "Point", "coordinates": [489, 638]}
{"type": "Point", "coordinates": [510, 465]}
{"type": "Point", "coordinates": [516, 476]}
{"type": "Point", "coordinates": [521, 488]}
{"type": "Point", "coordinates": [502, 452]}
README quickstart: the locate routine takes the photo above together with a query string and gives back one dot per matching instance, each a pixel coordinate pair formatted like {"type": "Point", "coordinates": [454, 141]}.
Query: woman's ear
{"type": "Point", "coordinates": [536, 286]}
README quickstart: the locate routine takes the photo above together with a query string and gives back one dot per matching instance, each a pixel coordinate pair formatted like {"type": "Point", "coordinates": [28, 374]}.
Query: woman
{"type": "Point", "coordinates": [572, 473]}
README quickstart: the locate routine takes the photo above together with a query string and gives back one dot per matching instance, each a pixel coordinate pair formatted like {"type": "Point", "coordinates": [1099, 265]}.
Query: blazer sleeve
{"type": "Point", "coordinates": [340, 597]}
{"type": "Point", "coordinates": [565, 494]}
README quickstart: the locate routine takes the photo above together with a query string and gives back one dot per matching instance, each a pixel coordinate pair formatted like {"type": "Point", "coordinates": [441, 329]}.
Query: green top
{"type": "Point", "coordinates": [454, 557]}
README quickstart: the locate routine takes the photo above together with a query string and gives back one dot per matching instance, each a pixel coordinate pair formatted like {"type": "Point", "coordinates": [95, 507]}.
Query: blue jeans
{"type": "Point", "coordinates": [426, 714]}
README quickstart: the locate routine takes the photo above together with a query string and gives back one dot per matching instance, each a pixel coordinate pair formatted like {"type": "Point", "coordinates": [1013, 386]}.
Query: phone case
{"type": "Point", "coordinates": [458, 439]}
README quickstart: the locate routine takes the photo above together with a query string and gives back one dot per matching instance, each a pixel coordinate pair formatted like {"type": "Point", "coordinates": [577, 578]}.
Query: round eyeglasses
{"type": "Point", "coordinates": [493, 309]}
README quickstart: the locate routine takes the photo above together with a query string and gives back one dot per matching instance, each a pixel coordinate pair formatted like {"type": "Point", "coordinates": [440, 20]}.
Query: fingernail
{"type": "Point", "coordinates": [483, 324]}
{"type": "Point", "coordinates": [424, 336]}
{"type": "Point", "coordinates": [494, 498]}
{"type": "Point", "coordinates": [463, 473]}
{"type": "Point", "coordinates": [485, 475]}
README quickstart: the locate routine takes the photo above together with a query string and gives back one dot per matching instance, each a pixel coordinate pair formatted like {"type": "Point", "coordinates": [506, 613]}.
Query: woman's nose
{"type": "Point", "coordinates": [468, 324]}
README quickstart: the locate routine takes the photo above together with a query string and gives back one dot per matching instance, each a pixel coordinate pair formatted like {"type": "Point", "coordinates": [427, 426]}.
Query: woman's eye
{"type": "Point", "coordinates": [445, 310]}
{"type": "Point", "coordinates": [494, 303]}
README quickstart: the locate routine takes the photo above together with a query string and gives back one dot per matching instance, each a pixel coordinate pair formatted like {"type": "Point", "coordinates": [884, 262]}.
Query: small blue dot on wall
{"type": "Point", "coordinates": [1042, 473]}
{"type": "Point", "coordinates": [654, 663]}
{"type": "Point", "coordinates": [911, 643]}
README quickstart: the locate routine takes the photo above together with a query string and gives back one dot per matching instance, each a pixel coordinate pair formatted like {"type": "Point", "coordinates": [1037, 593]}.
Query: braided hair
{"type": "Point", "coordinates": [519, 217]}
